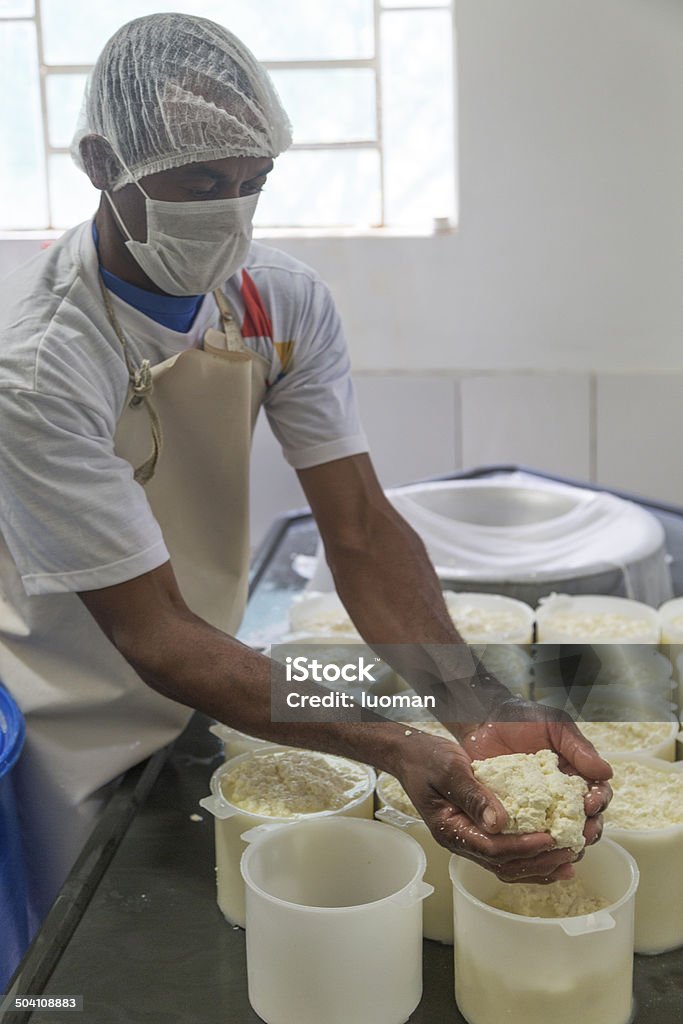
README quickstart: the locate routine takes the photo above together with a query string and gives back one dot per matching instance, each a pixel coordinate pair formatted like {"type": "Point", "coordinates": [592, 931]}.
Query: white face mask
{"type": "Point", "coordinates": [192, 248]}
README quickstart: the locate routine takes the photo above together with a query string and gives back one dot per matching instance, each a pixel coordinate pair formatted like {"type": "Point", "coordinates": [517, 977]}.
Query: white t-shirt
{"type": "Point", "coordinates": [71, 514]}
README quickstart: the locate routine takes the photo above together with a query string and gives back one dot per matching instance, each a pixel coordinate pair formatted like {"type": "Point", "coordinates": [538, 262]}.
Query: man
{"type": "Point", "coordinates": [127, 400]}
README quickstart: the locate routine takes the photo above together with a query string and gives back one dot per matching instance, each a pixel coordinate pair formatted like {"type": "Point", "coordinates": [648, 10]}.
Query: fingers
{"type": "Point", "coordinates": [479, 803]}
{"type": "Point", "coordinates": [545, 866]}
{"type": "Point", "coordinates": [458, 833]}
{"type": "Point", "coordinates": [543, 873]}
{"type": "Point", "coordinates": [562, 874]}
{"type": "Point", "coordinates": [593, 830]}
{"type": "Point", "coordinates": [579, 752]}
{"type": "Point", "coordinates": [597, 798]}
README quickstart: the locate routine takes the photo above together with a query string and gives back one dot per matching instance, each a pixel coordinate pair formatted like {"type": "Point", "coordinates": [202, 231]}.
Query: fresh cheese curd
{"type": "Point", "coordinates": [537, 795]}
{"type": "Point", "coordinates": [392, 793]}
{"type": "Point", "coordinates": [596, 626]}
{"type": "Point", "coordinates": [646, 818]}
{"type": "Point", "coordinates": [671, 619]}
{"type": "Point", "coordinates": [644, 797]}
{"type": "Point", "coordinates": [609, 737]}
{"type": "Point", "coordinates": [287, 783]}
{"type": "Point", "coordinates": [317, 612]}
{"type": "Point", "coordinates": [282, 783]}
{"type": "Point", "coordinates": [561, 899]}
{"type": "Point", "coordinates": [498, 629]}
{"type": "Point", "coordinates": [490, 618]}
{"type": "Point", "coordinates": [595, 619]}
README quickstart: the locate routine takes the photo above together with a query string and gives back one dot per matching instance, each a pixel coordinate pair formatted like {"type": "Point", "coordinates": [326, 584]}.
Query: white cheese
{"type": "Point", "coordinates": [287, 783]}
{"type": "Point", "coordinates": [644, 797]}
{"type": "Point", "coordinates": [479, 624]}
{"type": "Point", "coordinates": [537, 796]}
{"type": "Point", "coordinates": [392, 793]}
{"type": "Point", "coordinates": [625, 736]}
{"type": "Point", "coordinates": [560, 899]}
{"type": "Point", "coordinates": [672, 628]}
{"type": "Point", "coordinates": [595, 626]}
{"type": "Point", "coordinates": [320, 613]}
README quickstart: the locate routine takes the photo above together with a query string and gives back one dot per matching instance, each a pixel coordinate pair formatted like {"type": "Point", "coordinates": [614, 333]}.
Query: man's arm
{"type": "Point", "coordinates": [187, 660]}
{"type": "Point", "coordinates": [385, 579]}
{"type": "Point", "coordinates": [389, 587]}
{"type": "Point", "coordinates": [379, 564]}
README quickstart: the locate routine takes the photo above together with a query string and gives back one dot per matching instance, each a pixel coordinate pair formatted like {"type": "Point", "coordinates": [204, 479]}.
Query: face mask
{"type": "Point", "coordinates": [192, 248]}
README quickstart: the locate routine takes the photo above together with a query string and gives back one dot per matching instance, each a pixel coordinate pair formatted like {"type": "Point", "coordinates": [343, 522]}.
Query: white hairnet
{"type": "Point", "coordinates": [171, 89]}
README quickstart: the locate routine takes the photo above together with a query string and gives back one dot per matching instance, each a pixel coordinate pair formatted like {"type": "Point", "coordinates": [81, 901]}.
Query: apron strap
{"type": "Point", "coordinates": [140, 378]}
{"type": "Point", "coordinates": [140, 386]}
{"type": "Point", "coordinates": [233, 336]}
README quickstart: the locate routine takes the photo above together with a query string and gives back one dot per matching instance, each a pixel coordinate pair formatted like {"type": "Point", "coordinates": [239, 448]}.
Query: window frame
{"type": "Point", "coordinates": [373, 63]}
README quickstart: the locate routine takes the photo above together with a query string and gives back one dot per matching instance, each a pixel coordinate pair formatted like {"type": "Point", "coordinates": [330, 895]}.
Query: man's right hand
{"type": "Point", "coordinates": [437, 776]}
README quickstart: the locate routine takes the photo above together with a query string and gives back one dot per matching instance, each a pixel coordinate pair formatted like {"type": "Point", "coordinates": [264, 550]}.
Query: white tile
{"type": "Point", "coordinates": [275, 487]}
{"type": "Point", "coordinates": [640, 434]}
{"type": "Point", "coordinates": [541, 421]}
{"type": "Point", "coordinates": [410, 421]}
{"type": "Point", "coordinates": [411, 424]}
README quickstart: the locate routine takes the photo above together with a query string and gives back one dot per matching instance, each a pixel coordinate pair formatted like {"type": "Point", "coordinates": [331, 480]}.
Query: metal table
{"type": "Point", "coordinates": [136, 929]}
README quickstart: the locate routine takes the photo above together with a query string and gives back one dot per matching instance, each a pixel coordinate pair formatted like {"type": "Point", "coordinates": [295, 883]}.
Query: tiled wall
{"type": "Point", "coordinates": [621, 430]}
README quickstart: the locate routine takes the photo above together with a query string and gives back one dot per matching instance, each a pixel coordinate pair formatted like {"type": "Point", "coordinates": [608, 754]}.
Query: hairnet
{"type": "Point", "coordinates": [171, 89]}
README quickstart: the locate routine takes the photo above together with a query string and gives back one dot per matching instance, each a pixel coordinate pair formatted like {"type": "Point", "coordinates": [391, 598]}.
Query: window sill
{"type": "Point", "coordinates": [409, 231]}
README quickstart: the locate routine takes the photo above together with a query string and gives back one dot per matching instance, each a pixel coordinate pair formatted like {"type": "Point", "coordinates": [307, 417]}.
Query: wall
{"type": "Point", "coordinates": [547, 329]}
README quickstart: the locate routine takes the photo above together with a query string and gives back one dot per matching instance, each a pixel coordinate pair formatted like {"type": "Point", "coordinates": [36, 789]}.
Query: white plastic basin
{"type": "Point", "coordinates": [334, 922]}
{"type": "Point", "coordinates": [530, 970]}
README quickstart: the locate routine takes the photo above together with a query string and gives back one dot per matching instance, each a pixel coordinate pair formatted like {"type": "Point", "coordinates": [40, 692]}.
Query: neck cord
{"type": "Point", "coordinates": [140, 385]}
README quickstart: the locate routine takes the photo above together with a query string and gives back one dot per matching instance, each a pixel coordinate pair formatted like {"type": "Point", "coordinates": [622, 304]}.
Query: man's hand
{"type": "Point", "coordinates": [468, 819]}
{"type": "Point", "coordinates": [523, 727]}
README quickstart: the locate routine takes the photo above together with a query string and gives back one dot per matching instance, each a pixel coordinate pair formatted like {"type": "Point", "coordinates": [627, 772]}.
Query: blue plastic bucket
{"type": "Point", "coordinates": [13, 906]}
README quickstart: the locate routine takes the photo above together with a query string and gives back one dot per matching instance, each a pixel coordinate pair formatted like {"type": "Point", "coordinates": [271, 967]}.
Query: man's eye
{"type": "Point", "coordinates": [250, 190]}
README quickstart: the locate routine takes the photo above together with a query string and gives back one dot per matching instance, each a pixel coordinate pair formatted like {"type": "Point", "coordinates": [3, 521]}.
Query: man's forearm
{"type": "Point", "coordinates": [195, 664]}
{"type": "Point", "coordinates": [393, 595]}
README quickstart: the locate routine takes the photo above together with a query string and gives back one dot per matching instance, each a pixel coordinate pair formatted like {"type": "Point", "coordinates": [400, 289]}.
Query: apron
{"type": "Point", "coordinates": [186, 429]}
{"type": "Point", "coordinates": [200, 407]}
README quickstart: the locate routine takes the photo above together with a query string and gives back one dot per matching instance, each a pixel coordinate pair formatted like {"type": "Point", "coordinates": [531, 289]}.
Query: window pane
{"type": "Point", "coordinates": [320, 187]}
{"type": "Point", "coordinates": [418, 116]}
{"type": "Point", "coordinates": [329, 106]}
{"type": "Point", "coordinates": [73, 197]}
{"type": "Point", "coordinates": [23, 200]}
{"type": "Point", "coordinates": [297, 30]}
{"type": "Point", "coordinates": [415, 3]}
{"type": "Point", "coordinates": [64, 96]}
{"type": "Point", "coordinates": [16, 8]}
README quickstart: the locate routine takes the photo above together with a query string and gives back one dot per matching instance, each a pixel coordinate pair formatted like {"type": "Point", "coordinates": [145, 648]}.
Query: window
{"type": "Point", "coordinates": [368, 86]}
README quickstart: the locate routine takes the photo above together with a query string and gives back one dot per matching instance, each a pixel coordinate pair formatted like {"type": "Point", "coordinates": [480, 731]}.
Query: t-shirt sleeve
{"type": "Point", "coordinates": [71, 513]}
{"type": "Point", "coordinates": [311, 407]}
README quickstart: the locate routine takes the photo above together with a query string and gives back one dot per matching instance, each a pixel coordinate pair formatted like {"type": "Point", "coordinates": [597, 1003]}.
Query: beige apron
{"type": "Point", "coordinates": [89, 716]}
{"type": "Point", "coordinates": [197, 479]}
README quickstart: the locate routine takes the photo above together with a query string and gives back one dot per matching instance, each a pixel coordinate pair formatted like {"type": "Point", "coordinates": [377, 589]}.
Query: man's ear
{"type": "Point", "coordinates": [99, 161]}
